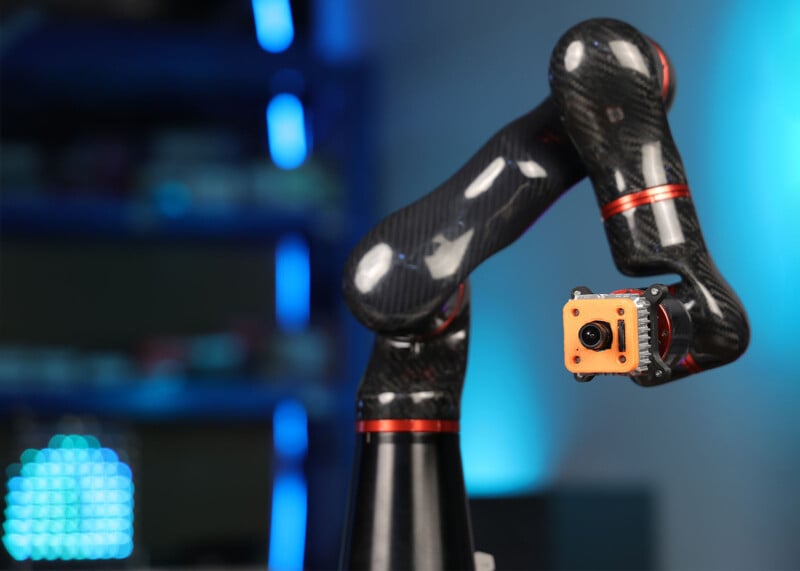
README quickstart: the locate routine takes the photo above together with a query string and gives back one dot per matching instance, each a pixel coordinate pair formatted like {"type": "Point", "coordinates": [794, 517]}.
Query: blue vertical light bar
{"type": "Point", "coordinates": [292, 283]}
{"type": "Point", "coordinates": [287, 542]}
{"type": "Point", "coordinates": [274, 26]}
{"type": "Point", "coordinates": [289, 430]}
{"type": "Point", "coordinates": [286, 131]}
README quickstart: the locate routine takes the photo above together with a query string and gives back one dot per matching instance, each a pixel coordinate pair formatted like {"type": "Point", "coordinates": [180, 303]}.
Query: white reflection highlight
{"type": "Point", "coordinates": [630, 218]}
{"type": "Point", "coordinates": [484, 181]}
{"type": "Point", "coordinates": [444, 262]}
{"type": "Point", "coordinates": [653, 164]}
{"type": "Point", "coordinates": [629, 56]}
{"type": "Point", "coordinates": [455, 338]}
{"type": "Point", "coordinates": [574, 55]}
{"type": "Point", "coordinates": [422, 396]}
{"type": "Point", "coordinates": [532, 169]}
{"type": "Point", "coordinates": [666, 216]}
{"type": "Point", "coordinates": [400, 343]}
{"type": "Point", "coordinates": [712, 303]}
{"type": "Point", "coordinates": [669, 226]}
{"type": "Point", "coordinates": [373, 266]}
{"type": "Point", "coordinates": [383, 524]}
{"type": "Point", "coordinates": [620, 180]}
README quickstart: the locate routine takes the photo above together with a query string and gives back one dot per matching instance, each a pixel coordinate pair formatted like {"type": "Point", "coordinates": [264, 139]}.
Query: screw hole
{"type": "Point", "coordinates": [622, 359]}
{"type": "Point", "coordinates": [576, 359]}
{"type": "Point", "coordinates": [620, 311]}
{"type": "Point", "coordinates": [575, 312]}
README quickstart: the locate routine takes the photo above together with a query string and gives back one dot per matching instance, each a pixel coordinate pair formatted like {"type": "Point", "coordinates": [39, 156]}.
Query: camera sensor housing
{"type": "Point", "coordinates": [621, 322]}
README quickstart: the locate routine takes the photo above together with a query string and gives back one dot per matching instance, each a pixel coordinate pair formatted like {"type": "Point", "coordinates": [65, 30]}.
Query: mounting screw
{"type": "Point", "coordinates": [659, 373]}
{"type": "Point", "coordinates": [654, 290]}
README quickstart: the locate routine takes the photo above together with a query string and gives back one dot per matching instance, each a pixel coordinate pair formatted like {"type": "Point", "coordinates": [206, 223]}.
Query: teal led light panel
{"type": "Point", "coordinates": [71, 500]}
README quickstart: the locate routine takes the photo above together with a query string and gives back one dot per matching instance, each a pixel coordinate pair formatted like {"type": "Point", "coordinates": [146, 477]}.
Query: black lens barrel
{"type": "Point", "coordinates": [596, 335]}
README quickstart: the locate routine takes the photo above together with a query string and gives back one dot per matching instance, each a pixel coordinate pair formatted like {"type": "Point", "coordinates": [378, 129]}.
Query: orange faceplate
{"type": "Point", "coordinates": [579, 359]}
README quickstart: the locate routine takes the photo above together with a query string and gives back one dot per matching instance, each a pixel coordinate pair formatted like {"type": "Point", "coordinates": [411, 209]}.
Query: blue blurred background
{"type": "Point", "coordinates": [181, 186]}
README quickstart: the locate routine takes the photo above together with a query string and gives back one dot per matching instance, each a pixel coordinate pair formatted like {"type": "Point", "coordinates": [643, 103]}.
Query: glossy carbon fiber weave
{"type": "Point", "coordinates": [404, 269]}
{"type": "Point", "coordinates": [412, 377]}
{"type": "Point", "coordinates": [604, 78]}
{"type": "Point", "coordinates": [399, 277]}
{"type": "Point", "coordinates": [402, 280]}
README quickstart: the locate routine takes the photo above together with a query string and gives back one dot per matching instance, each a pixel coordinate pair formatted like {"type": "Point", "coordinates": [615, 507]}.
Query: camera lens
{"type": "Point", "coordinates": [591, 335]}
{"type": "Point", "coordinates": [595, 335]}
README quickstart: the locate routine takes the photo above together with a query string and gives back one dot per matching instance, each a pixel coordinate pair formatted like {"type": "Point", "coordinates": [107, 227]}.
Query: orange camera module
{"type": "Point", "coordinates": [605, 334]}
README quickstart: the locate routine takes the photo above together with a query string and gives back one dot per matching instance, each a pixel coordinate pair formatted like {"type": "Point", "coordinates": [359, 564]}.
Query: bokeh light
{"type": "Point", "coordinates": [71, 500]}
{"type": "Point", "coordinates": [287, 542]}
{"type": "Point", "coordinates": [292, 283]}
{"type": "Point", "coordinates": [286, 131]}
{"type": "Point", "coordinates": [274, 24]}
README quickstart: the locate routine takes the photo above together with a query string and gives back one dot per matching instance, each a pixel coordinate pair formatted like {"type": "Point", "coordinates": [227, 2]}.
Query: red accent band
{"type": "Point", "coordinates": [407, 425]}
{"type": "Point", "coordinates": [643, 197]}
{"type": "Point", "coordinates": [664, 332]}
{"type": "Point", "coordinates": [690, 364]}
{"type": "Point", "coordinates": [453, 314]}
{"type": "Point", "coordinates": [665, 77]}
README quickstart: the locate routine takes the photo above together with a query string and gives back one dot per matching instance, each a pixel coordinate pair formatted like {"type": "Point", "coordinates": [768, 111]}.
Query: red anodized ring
{"type": "Point", "coordinates": [643, 197]}
{"type": "Point", "coordinates": [453, 314]}
{"type": "Point", "coordinates": [407, 425]}
{"type": "Point", "coordinates": [665, 76]}
{"type": "Point", "coordinates": [690, 364]}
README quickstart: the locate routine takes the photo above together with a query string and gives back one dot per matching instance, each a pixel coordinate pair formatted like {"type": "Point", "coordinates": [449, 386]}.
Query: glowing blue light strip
{"type": "Point", "coordinates": [274, 26]}
{"type": "Point", "coordinates": [287, 540]}
{"type": "Point", "coordinates": [286, 131]}
{"type": "Point", "coordinates": [290, 433]}
{"type": "Point", "coordinates": [292, 283]}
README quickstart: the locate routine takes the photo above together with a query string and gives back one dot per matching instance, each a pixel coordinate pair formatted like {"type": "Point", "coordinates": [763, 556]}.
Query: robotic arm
{"type": "Point", "coordinates": [611, 106]}
{"type": "Point", "coordinates": [407, 281]}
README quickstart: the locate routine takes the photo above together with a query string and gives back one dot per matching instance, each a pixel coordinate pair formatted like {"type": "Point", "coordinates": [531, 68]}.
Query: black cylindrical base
{"type": "Point", "coordinates": [408, 505]}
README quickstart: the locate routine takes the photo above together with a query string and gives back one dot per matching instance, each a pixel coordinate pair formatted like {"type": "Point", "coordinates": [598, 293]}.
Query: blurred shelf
{"type": "Point", "coordinates": [103, 217]}
{"type": "Point", "coordinates": [190, 399]}
{"type": "Point", "coordinates": [107, 62]}
{"type": "Point", "coordinates": [65, 77]}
